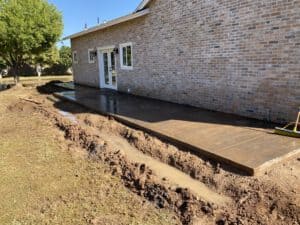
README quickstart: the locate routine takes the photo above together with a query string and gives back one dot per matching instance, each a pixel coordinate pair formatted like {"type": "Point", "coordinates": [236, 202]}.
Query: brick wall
{"type": "Point", "coordinates": [234, 56]}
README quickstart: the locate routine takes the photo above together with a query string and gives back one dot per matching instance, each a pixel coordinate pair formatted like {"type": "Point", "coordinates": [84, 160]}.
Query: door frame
{"type": "Point", "coordinates": [100, 51]}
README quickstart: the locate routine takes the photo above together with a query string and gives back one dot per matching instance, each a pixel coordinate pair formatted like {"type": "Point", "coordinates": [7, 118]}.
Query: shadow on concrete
{"type": "Point", "coordinates": [148, 110]}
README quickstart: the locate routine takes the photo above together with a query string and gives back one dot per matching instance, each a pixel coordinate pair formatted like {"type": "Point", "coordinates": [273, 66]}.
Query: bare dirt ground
{"type": "Point", "coordinates": [120, 173]}
{"type": "Point", "coordinates": [46, 179]}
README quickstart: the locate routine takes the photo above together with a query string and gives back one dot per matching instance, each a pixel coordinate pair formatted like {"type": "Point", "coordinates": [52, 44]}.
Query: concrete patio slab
{"type": "Point", "coordinates": [243, 143]}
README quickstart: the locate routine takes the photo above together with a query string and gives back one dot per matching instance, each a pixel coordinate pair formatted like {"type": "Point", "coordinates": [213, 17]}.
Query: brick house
{"type": "Point", "coordinates": [240, 57]}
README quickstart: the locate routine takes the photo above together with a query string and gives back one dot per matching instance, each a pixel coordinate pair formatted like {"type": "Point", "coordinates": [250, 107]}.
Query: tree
{"type": "Point", "coordinates": [47, 58]}
{"type": "Point", "coordinates": [65, 57]}
{"type": "Point", "coordinates": [63, 64]}
{"type": "Point", "coordinates": [28, 28]}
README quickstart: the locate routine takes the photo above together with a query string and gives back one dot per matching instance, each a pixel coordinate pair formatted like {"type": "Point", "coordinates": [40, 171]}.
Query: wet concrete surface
{"type": "Point", "coordinates": [244, 143]}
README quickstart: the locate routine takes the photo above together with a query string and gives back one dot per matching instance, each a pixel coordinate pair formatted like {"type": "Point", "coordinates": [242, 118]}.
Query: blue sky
{"type": "Point", "coordinates": [78, 12]}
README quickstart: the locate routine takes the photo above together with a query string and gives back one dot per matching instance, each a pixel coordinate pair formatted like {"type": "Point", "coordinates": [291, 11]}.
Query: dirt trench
{"type": "Point", "coordinates": [255, 200]}
{"type": "Point", "coordinates": [138, 177]}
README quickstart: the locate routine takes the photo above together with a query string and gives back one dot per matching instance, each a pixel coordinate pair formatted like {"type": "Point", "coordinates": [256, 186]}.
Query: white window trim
{"type": "Point", "coordinates": [121, 56]}
{"type": "Point", "coordinates": [89, 58]}
{"type": "Point", "coordinates": [73, 53]}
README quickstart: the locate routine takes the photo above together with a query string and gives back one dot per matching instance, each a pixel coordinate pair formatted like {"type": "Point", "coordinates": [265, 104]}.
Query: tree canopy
{"type": "Point", "coordinates": [28, 28]}
{"type": "Point", "coordinates": [65, 56]}
{"type": "Point", "coordinates": [63, 64]}
{"type": "Point", "coordinates": [48, 57]}
{"type": "Point", "coordinates": [2, 64]}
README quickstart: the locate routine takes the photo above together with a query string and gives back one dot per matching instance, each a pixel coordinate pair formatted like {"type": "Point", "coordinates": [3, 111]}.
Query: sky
{"type": "Point", "coordinates": [77, 13]}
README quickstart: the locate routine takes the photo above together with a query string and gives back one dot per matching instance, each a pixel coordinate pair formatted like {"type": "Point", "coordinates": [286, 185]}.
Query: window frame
{"type": "Point", "coordinates": [125, 67]}
{"type": "Point", "coordinates": [89, 56]}
{"type": "Point", "coordinates": [73, 58]}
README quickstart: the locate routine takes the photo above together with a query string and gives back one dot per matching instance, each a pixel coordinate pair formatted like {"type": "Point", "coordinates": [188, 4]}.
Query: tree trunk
{"type": "Point", "coordinates": [16, 79]}
{"type": "Point", "coordinates": [16, 73]}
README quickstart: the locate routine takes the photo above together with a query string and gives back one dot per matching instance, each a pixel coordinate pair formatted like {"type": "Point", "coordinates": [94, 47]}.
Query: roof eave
{"type": "Point", "coordinates": [109, 24]}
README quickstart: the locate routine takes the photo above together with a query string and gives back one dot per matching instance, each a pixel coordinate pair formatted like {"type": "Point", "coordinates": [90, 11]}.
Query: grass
{"type": "Point", "coordinates": [41, 182]}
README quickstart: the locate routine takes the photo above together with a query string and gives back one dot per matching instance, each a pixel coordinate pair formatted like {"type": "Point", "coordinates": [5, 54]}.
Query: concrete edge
{"type": "Point", "coordinates": [272, 163]}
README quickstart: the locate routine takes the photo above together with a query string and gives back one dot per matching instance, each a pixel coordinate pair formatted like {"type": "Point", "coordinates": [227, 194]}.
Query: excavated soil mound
{"type": "Point", "coordinates": [21, 107]}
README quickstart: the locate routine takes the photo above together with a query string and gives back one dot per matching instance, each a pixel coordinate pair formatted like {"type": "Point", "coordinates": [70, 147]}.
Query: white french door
{"type": "Point", "coordinates": [108, 75]}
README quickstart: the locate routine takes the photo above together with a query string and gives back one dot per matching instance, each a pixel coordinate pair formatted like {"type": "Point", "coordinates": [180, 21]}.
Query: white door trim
{"type": "Point", "coordinates": [109, 47]}
{"type": "Point", "coordinates": [101, 51]}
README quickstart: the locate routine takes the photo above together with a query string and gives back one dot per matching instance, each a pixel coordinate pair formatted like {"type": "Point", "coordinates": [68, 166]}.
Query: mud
{"type": "Point", "coordinates": [272, 198]}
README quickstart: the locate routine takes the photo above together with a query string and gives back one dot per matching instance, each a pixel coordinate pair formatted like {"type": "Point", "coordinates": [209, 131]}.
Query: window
{"type": "Point", "coordinates": [126, 56]}
{"type": "Point", "coordinates": [75, 57]}
{"type": "Point", "coordinates": [91, 55]}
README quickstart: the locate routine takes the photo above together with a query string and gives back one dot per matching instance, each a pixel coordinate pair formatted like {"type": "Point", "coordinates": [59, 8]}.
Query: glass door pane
{"type": "Point", "coordinates": [106, 69]}
{"type": "Point", "coordinates": [113, 69]}
{"type": "Point", "coordinates": [129, 63]}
